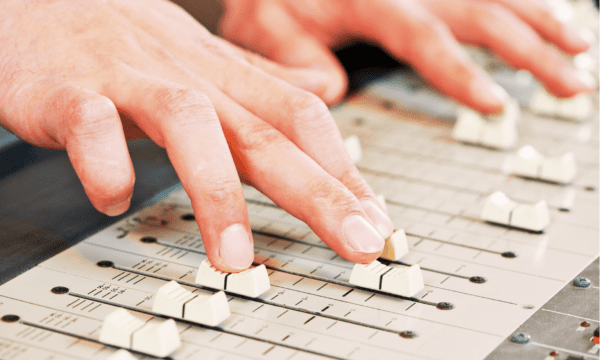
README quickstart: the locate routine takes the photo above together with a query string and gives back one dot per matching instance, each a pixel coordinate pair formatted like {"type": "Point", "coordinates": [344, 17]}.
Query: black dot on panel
{"type": "Point", "coordinates": [10, 318]}
{"type": "Point", "coordinates": [105, 263]}
{"type": "Point", "coordinates": [60, 290]}
{"type": "Point", "coordinates": [509, 254]}
{"type": "Point", "coordinates": [188, 217]}
{"type": "Point", "coordinates": [477, 279]}
{"type": "Point", "coordinates": [445, 306]}
{"type": "Point", "coordinates": [408, 334]}
{"type": "Point", "coordinates": [148, 239]}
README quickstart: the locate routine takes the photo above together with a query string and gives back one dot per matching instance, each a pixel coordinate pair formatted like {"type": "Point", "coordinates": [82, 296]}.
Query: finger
{"type": "Point", "coordinates": [496, 27]}
{"type": "Point", "coordinates": [185, 123]}
{"type": "Point", "coordinates": [539, 15]}
{"type": "Point", "coordinates": [306, 121]}
{"type": "Point", "coordinates": [315, 81]}
{"type": "Point", "coordinates": [270, 162]}
{"type": "Point", "coordinates": [415, 35]}
{"type": "Point", "coordinates": [88, 126]}
{"type": "Point", "coordinates": [280, 38]}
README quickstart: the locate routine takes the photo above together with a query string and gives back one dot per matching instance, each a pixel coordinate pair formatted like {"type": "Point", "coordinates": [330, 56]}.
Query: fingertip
{"type": "Point", "coordinates": [487, 96]}
{"type": "Point", "coordinates": [578, 40]}
{"type": "Point", "coordinates": [119, 208]}
{"type": "Point", "coordinates": [236, 251]}
{"type": "Point", "coordinates": [336, 89]}
{"type": "Point", "coordinates": [362, 237]}
{"type": "Point", "coordinates": [378, 217]}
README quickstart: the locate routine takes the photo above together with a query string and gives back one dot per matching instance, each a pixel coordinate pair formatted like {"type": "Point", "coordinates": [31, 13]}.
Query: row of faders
{"type": "Point", "coordinates": [160, 338]}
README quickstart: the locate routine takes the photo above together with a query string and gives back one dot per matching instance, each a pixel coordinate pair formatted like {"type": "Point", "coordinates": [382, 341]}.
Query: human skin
{"type": "Point", "coordinates": [85, 76]}
{"type": "Point", "coordinates": [423, 33]}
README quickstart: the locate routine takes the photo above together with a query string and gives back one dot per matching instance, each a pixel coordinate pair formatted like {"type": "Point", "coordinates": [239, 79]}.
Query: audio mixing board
{"type": "Point", "coordinates": [492, 289]}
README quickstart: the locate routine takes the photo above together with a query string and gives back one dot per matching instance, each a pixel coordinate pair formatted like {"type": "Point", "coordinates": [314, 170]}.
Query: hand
{"type": "Point", "coordinates": [420, 32]}
{"type": "Point", "coordinates": [85, 76]}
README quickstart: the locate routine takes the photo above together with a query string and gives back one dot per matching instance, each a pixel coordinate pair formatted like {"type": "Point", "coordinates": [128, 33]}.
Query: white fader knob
{"type": "Point", "coordinates": [252, 282]}
{"type": "Point", "coordinates": [158, 338]}
{"type": "Point", "coordinates": [561, 169]}
{"type": "Point", "coordinates": [403, 281]}
{"type": "Point", "coordinates": [578, 108]}
{"type": "Point", "coordinates": [500, 209]}
{"type": "Point", "coordinates": [175, 301]}
{"type": "Point", "coordinates": [498, 132]}
{"type": "Point", "coordinates": [396, 246]}
{"type": "Point", "coordinates": [527, 162]}
{"type": "Point", "coordinates": [400, 281]}
{"type": "Point", "coordinates": [121, 355]}
{"type": "Point", "coordinates": [118, 328]}
{"type": "Point", "coordinates": [469, 126]}
{"type": "Point", "coordinates": [354, 148]}
{"type": "Point", "coordinates": [530, 163]}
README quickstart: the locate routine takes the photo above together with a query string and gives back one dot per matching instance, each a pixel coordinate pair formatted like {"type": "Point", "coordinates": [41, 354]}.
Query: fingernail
{"type": "Point", "coordinates": [235, 248]}
{"type": "Point", "coordinates": [573, 36]}
{"type": "Point", "coordinates": [115, 210]}
{"type": "Point", "coordinates": [489, 93]}
{"type": "Point", "coordinates": [361, 236]}
{"type": "Point", "coordinates": [378, 217]}
{"type": "Point", "coordinates": [578, 80]}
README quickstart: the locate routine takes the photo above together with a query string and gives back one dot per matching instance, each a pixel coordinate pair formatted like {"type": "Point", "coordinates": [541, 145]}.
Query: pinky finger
{"type": "Point", "coordinates": [87, 124]}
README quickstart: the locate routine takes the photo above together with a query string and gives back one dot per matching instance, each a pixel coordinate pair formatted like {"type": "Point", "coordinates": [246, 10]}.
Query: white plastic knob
{"type": "Point", "coordinates": [210, 310]}
{"type": "Point", "coordinates": [121, 355]}
{"type": "Point", "coordinates": [528, 162]}
{"type": "Point", "coordinates": [399, 281]}
{"type": "Point", "coordinates": [396, 246]}
{"type": "Point", "coordinates": [118, 328]}
{"type": "Point", "coordinates": [499, 135]}
{"type": "Point", "coordinates": [497, 208]}
{"type": "Point", "coordinates": [499, 132]}
{"type": "Point", "coordinates": [368, 275]}
{"type": "Point", "coordinates": [157, 338]}
{"type": "Point", "coordinates": [252, 282]}
{"type": "Point", "coordinates": [578, 108]}
{"type": "Point", "coordinates": [561, 169]}
{"type": "Point", "coordinates": [403, 281]}
{"type": "Point", "coordinates": [500, 209]}
{"type": "Point", "coordinates": [354, 148]}
{"type": "Point", "coordinates": [175, 301]}
{"type": "Point", "coordinates": [534, 217]}
{"type": "Point", "coordinates": [469, 126]}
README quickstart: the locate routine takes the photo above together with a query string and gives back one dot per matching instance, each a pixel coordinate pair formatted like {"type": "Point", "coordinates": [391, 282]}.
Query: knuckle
{"type": "Point", "coordinates": [258, 137]}
{"type": "Point", "coordinates": [330, 194]}
{"type": "Point", "coordinates": [307, 109]}
{"type": "Point", "coordinates": [223, 190]}
{"type": "Point", "coordinates": [182, 107]}
{"type": "Point", "coordinates": [90, 117]}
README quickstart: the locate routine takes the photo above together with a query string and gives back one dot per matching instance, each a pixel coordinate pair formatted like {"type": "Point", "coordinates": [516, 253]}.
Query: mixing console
{"type": "Point", "coordinates": [498, 256]}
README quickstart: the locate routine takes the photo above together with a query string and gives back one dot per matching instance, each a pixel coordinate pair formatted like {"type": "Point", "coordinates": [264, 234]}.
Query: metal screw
{"type": "Point", "coordinates": [582, 282]}
{"type": "Point", "coordinates": [521, 338]}
{"type": "Point", "coordinates": [409, 334]}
